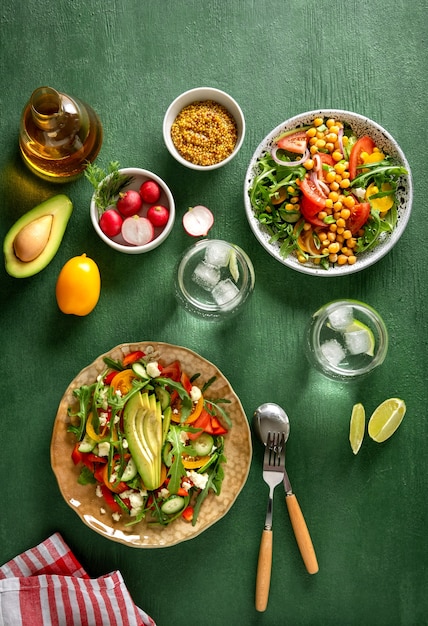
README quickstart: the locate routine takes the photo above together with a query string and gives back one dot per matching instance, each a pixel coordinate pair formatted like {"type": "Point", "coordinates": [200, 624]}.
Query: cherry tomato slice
{"type": "Point", "coordinates": [295, 143]}
{"type": "Point", "coordinates": [364, 144]}
{"type": "Point", "coordinates": [123, 381]}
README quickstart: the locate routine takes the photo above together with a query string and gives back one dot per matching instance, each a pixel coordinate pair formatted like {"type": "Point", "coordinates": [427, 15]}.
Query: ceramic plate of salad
{"type": "Point", "coordinates": [328, 192]}
{"type": "Point", "coordinates": [150, 445]}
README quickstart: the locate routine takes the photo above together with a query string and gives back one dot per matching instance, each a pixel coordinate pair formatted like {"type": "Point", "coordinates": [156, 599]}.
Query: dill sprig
{"type": "Point", "coordinates": [107, 184]}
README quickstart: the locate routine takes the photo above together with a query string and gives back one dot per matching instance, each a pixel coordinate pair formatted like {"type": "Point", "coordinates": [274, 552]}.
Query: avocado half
{"type": "Point", "coordinates": [34, 239]}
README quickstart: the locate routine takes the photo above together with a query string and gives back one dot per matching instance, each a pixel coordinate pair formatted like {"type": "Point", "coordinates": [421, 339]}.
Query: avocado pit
{"type": "Point", "coordinates": [34, 239]}
{"type": "Point", "coordinates": [31, 240]}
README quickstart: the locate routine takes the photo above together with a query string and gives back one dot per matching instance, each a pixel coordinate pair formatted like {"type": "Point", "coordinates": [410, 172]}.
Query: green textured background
{"type": "Point", "coordinates": [366, 514]}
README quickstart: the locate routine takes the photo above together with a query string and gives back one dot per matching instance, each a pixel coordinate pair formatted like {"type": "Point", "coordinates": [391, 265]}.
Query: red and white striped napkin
{"type": "Point", "coordinates": [47, 586]}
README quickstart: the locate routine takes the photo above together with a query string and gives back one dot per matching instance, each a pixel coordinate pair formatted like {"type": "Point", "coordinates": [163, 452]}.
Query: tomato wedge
{"type": "Point", "coordinates": [326, 159]}
{"type": "Point", "coordinates": [207, 423]}
{"type": "Point", "coordinates": [364, 144]}
{"type": "Point", "coordinates": [172, 371]}
{"type": "Point", "coordinates": [185, 381]}
{"type": "Point", "coordinates": [296, 143]}
{"type": "Point", "coordinates": [312, 193]}
{"type": "Point", "coordinates": [309, 210]}
{"type": "Point", "coordinates": [359, 216]}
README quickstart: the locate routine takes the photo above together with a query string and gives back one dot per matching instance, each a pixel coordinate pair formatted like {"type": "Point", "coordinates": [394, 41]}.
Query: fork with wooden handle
{"type": "Point", "coordinates": [273, 473]}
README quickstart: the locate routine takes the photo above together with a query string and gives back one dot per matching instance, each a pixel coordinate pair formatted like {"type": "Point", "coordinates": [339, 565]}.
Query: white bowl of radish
{"type": "Point", "coordinates": [139, 217]}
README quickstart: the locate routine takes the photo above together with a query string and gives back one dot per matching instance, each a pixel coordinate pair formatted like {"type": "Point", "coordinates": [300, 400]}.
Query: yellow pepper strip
{"type": "Point", "coordinates": [380, 204]}
{"type": "Point", "coordinates": [197, 409]}
{"type": "Point", "coordinates": [90, 430]}
{"type": "Point", "coordinates": [122, 382]}
{"type": "Point", "coordinates": [374, 157]}
{"type": "Point", "coordinates": [194, 462]}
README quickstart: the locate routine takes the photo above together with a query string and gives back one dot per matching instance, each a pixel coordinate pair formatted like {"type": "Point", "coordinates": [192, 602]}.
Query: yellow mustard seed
{"type": "Point", "coordinates": [204, 133]}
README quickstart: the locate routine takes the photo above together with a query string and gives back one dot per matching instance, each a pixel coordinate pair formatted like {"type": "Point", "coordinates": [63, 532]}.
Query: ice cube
{"type": "Point", "coordinates": [333, 352]}
{"type": "Point", "coordinates": [341, 318]}
{"type": "Point", "coordinates": [206, 276]}
{"type": "Point", "coordinates": [358, 341]}
{"type": "Point", "coordinates": [217, 254]}
{"type": "Point", "coordinates": [224, 292]}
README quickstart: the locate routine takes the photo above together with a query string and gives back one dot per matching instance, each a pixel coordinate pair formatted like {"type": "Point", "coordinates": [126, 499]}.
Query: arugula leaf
{"type": "Point", "coordinates": [214, 408]}
{"type": "Point", "coordinates": [373, 230]}
{"type": "Point", "coordinates": [214, 482]}
{"type": "Point", "coordinates": [177, 470]}
{"type": "Point", "coordinates": [380, 171]}
{"type": "Point", "coordinates": [186, 401]}
{"type": "Point", "coordinates": [84, 395]}
{"type": "Point", "coordinates": [86, 477]}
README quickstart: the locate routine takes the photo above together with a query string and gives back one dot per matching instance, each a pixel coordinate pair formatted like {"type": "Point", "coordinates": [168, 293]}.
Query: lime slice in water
{"type": "Point", "coordinates": [386, 419]}
{"type": "Point", "coordinates": [357, 427]}
{"type": "Point", "coordinates": [359, 338]}
{"type": "Point", "coordinates": [233, 266]}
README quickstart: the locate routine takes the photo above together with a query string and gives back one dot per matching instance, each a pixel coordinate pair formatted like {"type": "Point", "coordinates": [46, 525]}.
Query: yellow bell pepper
{"type": "Point", "coordinates": [380, 204]}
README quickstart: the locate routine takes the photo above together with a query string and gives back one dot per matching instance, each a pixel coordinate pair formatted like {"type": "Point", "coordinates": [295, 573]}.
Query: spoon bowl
{"type": "Point", "coordinates": [269, 418]}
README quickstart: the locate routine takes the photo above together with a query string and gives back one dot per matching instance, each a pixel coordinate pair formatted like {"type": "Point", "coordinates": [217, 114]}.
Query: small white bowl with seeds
{"type": "Point", "coordinates": [204, 128]}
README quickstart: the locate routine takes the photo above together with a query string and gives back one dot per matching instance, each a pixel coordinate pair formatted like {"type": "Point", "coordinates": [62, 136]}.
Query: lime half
{"type": "Point", "coordinates": [359, 338]}
{"type": "Point", "coordinates": [386, 419]}
{"type": "Point", "coordinates": [233, 266]}
{"type": "Point", "coordinates": [357, 427]}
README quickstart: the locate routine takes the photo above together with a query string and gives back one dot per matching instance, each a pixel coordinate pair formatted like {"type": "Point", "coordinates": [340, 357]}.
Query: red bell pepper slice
{"type": "Point", "coordinates": [109, 499]}
{"type": "Point", "coordinates": [132, 357]}
{"type": "Point", "coordinates": [187, 514]}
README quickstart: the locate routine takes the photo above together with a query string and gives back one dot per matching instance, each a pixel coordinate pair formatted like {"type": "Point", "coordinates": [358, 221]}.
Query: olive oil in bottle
{"type": "Point", "coordinates": [59, 135]}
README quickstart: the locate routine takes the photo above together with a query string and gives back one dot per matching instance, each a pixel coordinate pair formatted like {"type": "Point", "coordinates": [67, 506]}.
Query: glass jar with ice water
{"type": "Point", "coordinates": [346, 339]}
{"type": "Point", "coordinates": [214, 279]}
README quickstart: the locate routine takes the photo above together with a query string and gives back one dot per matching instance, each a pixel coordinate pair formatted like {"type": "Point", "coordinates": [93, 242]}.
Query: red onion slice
{"type": "Point", "coordinates": [304, 158]}
{"type": "Point", "coordinates": [339, 138]}
{"type": "Point", "coordinates": [319, 184]}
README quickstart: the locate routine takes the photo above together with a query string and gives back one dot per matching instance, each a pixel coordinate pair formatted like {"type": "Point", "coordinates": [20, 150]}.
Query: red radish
{"type": "Point", "coordinates": [198, 221]}
{"type": "Point", "coordinates": [137, 230]}
{"type": "Point", "coordinates": [150, 191]}
{"type": "Point", "coordinates": [111, 222]}
{"type": "Point", "coordinates": [129, 203]}
{"type": "Point", "coordinates": [158, 215]}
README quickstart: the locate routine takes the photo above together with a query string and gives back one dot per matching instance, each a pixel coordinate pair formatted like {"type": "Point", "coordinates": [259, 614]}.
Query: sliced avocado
{"type": "Point", "coordinates": [34, 239]}
{"type": "Point", "coordinates": [143, 431]}
{"type": "Point", "coordinates": [166, 422]}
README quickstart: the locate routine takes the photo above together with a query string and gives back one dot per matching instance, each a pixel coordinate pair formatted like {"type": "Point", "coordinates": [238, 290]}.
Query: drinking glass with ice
{"type": "Point", "coordinates": [346, 339]}
{"type": "Point", "coordinates": [214, 278]}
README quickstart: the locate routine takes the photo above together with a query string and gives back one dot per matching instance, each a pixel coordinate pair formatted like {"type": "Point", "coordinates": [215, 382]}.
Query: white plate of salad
{"type": "Point", "coordinates": [150, 445]}
{"type": "Point", "coordinates": [328, 192]}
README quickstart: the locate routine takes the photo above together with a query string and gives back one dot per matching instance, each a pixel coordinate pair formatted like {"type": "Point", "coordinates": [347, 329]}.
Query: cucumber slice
{"type": "Point", "coordinates": [87, 444]}
{"type": "Point", "coordinates": [130, 471]}
{"type": "Point", "coordinates": [203, 445]}
{"type": "Point", "coordinates": [166, 454]}
{"type": "Point", "coordinates": [139, 369]}
{"type": "Point", "coordinates": [174, 504]}
{"type": "Point", "coordinates": [163, 396]}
